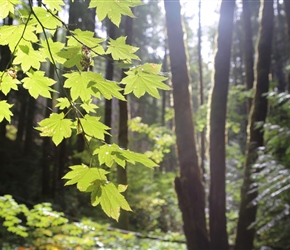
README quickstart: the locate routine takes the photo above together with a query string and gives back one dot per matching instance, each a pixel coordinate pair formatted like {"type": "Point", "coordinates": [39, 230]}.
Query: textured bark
{"type": "Point", "coordinates": [123, 131]}
{"type": "Point", "coordinates": [109, 76]}
{"type": "Point", "coordinates": [247, 212]}
{"type": "Point", "coordinates": [201, 96]}
{"type": "Point", "coordinates": [248, 49]}
{"type": "Point", "coordinates": [189, 187]}
{"type": "Point", "coordinates": [218, 109]}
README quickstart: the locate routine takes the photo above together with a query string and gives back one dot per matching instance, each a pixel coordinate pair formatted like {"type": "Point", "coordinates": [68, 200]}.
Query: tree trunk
{"type": "Point", "coordinates": [201, 96]}
{"type": "Point", "coordinates": [109, 76]}
{"type": "Point", "coordinates": [189, 187]}
{"type": "Point", "coordinates": [123, 131]}
{"type": "Point", "coordinates": [218, 109]}
{"type": "Point", "coordinates": [247, 211]}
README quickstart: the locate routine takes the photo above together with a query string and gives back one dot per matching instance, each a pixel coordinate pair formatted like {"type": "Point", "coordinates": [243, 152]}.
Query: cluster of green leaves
{"type": "Point", "coordinates": [31, 44]}
{"type": "Point", "coordinates": [44, 228]}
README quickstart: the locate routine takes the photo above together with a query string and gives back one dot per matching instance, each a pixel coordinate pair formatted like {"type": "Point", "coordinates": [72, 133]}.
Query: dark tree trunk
{"type": "Point", "coordinates": [189, 187]}
{"type": "Point", "coordinates": [109, 76]}
{"type": "Point", "coordinates": [201, 96]}
{"type": "Point", "coordinates": [218, 110]}
{"type": "Point", "coordinates": [248, 49]}
{"type": "Point", "coordinates": [123, 138]}
{"type": "Point", "coordinates": [247, 212]}
{"type": "Point", "coordinates": [29, 130]}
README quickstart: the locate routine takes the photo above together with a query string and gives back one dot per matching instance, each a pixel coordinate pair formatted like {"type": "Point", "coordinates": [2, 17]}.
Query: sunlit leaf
{"type": "Point", "coordinates": [27, 57]}
{"type": "Point", "coordinates": [45, 20]}
{"type": "Point", "coordinates": [108, 195]}
{"type": "Point", "coordinates": [108, 154]}
{"type": "Point", "coordinates": [54, 4]}
{"type": "Point", "coordinates": [63, 103]}
{"type": "Point", "coordinates": [122, 51]}
{"type": "Point", "coordinates": [93, 127]}
{"type": "Point", "coordinates": [114, 9]}
{"type": "Point", "coordinates": [7, 83]}
{"type": "Point", "coordinates": [11, 35]}
{"type": "Point", "coordinates": [56, 126]}
{"type": "Point", "coordinates": [84, 176]}
{"type": "Point", "coordinates": [37, 84]}
{"type": "Point", "coordinates": [5, 112]}
{"type": "Point", "coordinates": [78, 84]}
{"type": "Point", "coordinates": [6, 7]}
{"type": "Point", "coordinates": [144, 79]}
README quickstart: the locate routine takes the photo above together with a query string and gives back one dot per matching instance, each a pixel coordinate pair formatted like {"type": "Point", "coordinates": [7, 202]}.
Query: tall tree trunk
{"type": "Point", "coordinates": [189, 187]}
{"type": "Point", "coordinates": [201, 96]}
{"type": "Point", "coordinates": [248, 49]}
{"type": "Point", "coordinates": [123, 131]}
{"type": "Point", "coordinates": [247, 212]}
{"type": "Point", "coordinates": [218, 109]}
{"type": "Point", "coordinates": [109, 76]}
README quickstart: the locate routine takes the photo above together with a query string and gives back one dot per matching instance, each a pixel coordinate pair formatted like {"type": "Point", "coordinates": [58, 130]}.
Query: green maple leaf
{"type": "Point", "coordinates": [108, 154]}
{"type": "Point", "coordinates": [54, 4]}
{"type": "Point", "coordinates": [54, 48]}
{"type": "Point", "coordinates": [108, 89]}
{"type": "Point", "coordinates": [63, 103]}
{"type": "Point", "coordinates": [144, 79]}
{"type": "Point", "coordinates": [114, 9]}
{"type": "Point", "coordinates": [28, 57]}
{"type": "Point", "coordinates": [73, 56]}
{"type": "Point", "coordinates": [86, 38]}
{"type": "Point", "coordinates": [57, 127]}
{"type": "Point", "coordinates": [6, 7]}
{"type": "Point", "coordinates": [46, 19]}
{"type": "Point", "coordinates": [122, 51]}
{"type": "Point", "coordinates": [5, 111]}
{"type": "Point", "coordinates": [84, 176]}
{"type": "Point", "coordinates": [78, 84]}
{"type": "Point", "coordinates": [89, 107]}
{"type": "Point", "coordinates": [7, 83]}
{"type": "Point", "coordinates": [37, 84]}
{"type": "Point", "coordinates": [108, 195]}
{"type": "Point", "coordinates": [93, 127]}
{"type": "Point", "coordinates": [10, 35]}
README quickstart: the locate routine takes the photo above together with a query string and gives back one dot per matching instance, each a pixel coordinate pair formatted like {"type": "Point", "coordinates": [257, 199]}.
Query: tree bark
{"type": "Point", "coordinates": [123, 138]}
{"type": "Point", "coordinates": [247, 212]}
{"type": "Point", "coordinates": [201, 96]}
{"type": "Point", "coordinates": [218, 109]}
{"type": "Point", "coordinates": [109, 76]}
{"type": "Point", "coordinates": [248, 49]}
{"type": "Point", "coordinates": [189, 186]}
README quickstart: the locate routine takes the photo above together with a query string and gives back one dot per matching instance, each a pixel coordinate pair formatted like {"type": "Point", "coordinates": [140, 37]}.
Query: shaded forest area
{"type": "Point", "coordinates": [133, 125]}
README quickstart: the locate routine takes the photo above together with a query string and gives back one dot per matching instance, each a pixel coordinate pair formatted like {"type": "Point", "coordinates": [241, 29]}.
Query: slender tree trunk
{"type": "Point", "coordinates": [218, 110]}
{"type": "Point", "coordinates": [201, 96]}
{"type": "Point", "coordinates": [123, 131]}
{"type": "Point", "coordinates": [109, 76]}
{"type": "Point", "coordinates": [189, 187]}
{"type": "Point", "coordinates": [247, 212]}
